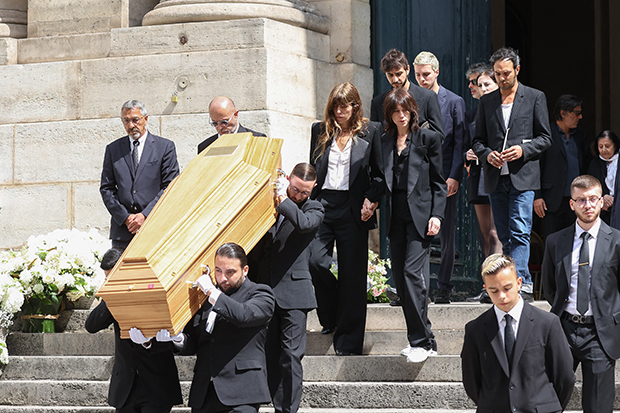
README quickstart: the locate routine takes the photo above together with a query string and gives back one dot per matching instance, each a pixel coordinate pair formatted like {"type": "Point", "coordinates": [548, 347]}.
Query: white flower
{"type": "Point", "coordinates": [4, 353]}
{"type": "Point", "coordinates": [38, 288]}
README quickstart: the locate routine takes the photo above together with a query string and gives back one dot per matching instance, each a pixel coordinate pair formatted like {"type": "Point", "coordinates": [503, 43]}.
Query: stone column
{"type": "Point", "coordinates": [13, 18]}
{"type": "Point", "coordinates": [294, 12]}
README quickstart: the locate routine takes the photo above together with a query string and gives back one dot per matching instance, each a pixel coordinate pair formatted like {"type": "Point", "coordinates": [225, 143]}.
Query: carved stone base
{"type": "Point", "coordinates": [296, 12]}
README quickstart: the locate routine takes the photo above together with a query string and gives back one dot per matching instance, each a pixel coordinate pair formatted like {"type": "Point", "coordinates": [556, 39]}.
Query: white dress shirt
{"type": "Point", "coordinates": [506, 111]}
{"type": "Point", "coordinates": [571, 305]}
{"type": "Point", "coordinates": [142, 140]}
{"type": "Point", "coordinates": [338, 167]}
{"type": "Point", "coordinates": [515, 313]}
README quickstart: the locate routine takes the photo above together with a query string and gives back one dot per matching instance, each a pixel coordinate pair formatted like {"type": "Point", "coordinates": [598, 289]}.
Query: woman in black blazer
{"type": "Point", "coordinates": [605, 159]}
{"type": "Point", "coordinates": [345, 150]}
{"type": "Point", "coordinates": [415, 201]}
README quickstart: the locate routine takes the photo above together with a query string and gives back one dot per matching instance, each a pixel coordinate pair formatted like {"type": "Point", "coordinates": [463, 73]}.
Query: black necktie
{"type": "Point", "coordinates": [134, 155]}
{"type": "Point", "coordinates": [509, 339]}
{"type": "Point", "coordinates": [583, 275]}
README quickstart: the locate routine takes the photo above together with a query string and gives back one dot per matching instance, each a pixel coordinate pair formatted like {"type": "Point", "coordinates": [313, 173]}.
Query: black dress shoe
{"type": "Point", "coordinates": [476, 298]}
{"type": "Point", "coordinates": [442, 297]}
{"type": "Point", "coordinates": [527, 297]}
{"type": "Point", "coordinates": [342, 352]}
{"type": "Point", "coordinates": [485, 299]}
{"type": "Point", "coordinates": [396, 303]}
{"type": "Point", "coordinates": [327, 330]}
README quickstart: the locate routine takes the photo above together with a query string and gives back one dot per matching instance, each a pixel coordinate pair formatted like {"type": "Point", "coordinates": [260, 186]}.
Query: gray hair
{"type": "Point", "coordinates": [427, 58]}
{"type": "Point", "coordinates": [132, 104]}
{"type": "Point", "coordinates": [495, 263]}
{"type": "Point", "coordinates": [477, 69]}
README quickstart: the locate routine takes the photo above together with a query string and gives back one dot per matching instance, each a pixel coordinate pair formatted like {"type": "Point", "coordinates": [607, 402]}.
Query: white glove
{"type": "Point", "coordinates": [163, 336]}
{"type": "Point", "coordinates": [205, 283]}
{"type": "Point", "coordinates": [137, 337]}
{"type": "Point", "coordinates": [281, 186]}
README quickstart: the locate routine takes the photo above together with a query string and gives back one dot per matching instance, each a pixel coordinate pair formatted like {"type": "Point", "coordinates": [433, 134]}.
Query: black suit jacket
{"type": "Point", "coordinates": [598, 169]}
{"type": "Point", "coordinates": [453, 115]}
{"type": "Point", "coordinates": [529, 128]}
{"type": "Point", "coordinates": [233, 355]}
{"type": "Point", "coordinates": [283, 254]}
{"type": "Point", "coordinates": [604, 282]}
{"type": "Point", "coordinates": [554, 166]}
{"type": "Point", "coordinates": [203, 145]}
{"type": "Point", "coordinates": [155, 366]}
{"type": "Point", "coordinates": [428, 108]}
{"type": "Point", "coordinates": [365, 173]}
{"type": "Point", "coordinates": [121, 187]}
{"type": "Point", "coordinates": [541, 379]}
{"type": "Point", "coordinates": [426, 187]}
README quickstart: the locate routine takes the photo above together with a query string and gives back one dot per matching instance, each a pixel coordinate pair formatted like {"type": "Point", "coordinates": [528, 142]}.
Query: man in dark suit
{"type": "Point", "coordinates": [567, 158]}
{"type": "Point", "coordinates": [426, 69]}
{"type": "Point", "coordinates": [228, 336]}
{"type": "Point", "coordinates": [512, 130]}
{"type": "Point", "coordinates": [284, 255]}
{"type": "Point", "coordinates": [136, 170]}
{"type": "Point", "coordinates": [144, 377]}
{"type": "Point", "coordinates": [396, 68]}
{"type": "Point", "coordinates": [515, 357]}
{"type": "Point", "coordinates": [581, 273]}
{"type": "Point", "coordinates": [225, 119]}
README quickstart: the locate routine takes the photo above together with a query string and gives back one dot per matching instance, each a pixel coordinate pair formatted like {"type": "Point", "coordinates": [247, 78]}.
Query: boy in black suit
{"type": "Point", "coordinates": [515, 356]}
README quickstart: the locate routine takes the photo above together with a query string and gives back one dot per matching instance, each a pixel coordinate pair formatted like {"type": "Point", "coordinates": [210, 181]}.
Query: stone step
{"type": "Point", "coordinates": [73, 409]}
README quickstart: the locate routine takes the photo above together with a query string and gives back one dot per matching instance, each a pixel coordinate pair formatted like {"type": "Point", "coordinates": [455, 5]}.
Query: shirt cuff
{"type": "Point", "coordinates": [215, 294]}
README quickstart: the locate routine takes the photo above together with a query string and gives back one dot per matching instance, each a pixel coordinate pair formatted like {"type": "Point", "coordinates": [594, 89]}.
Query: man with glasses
{"type": "Point", "coordinates": [225, 119]}
{"type": "Point", "coordinates": [567, 158]}
{"type": "Point", "coordinates": [282, 258]}
{"type": "Point", "coordinates": [137, 168]}
{"type": "Point", "coordinates": [581, 278]}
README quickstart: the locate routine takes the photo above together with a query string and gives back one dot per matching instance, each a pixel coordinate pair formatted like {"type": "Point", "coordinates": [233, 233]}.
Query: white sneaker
{"type": "Point", "coordinates": [419, 354]}
{"type": "Point", "coordinates": [405, 352]}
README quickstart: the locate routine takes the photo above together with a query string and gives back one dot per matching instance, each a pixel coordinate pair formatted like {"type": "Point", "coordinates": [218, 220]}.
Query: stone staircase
{"type": "Point", "coordinates": [69, 372]}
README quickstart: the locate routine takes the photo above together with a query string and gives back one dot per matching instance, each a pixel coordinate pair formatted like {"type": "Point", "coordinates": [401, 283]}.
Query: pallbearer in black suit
{"type": "Point", "coordinates": [515, 357]}
{"type": "Point", "coordinates": [284, 255]}
{"type": "Point", "coordinates": [137, 168]}
{"type": "Point", "coordinates": [228, 337]}
{"type": "Point", "coordinates": [415, 203]}
{"type": "Point", "coordinates": [144, 377]}
{"type": "Point", "coordinates": [345, 149]}
{"type": "Point", "coordinates": [581, 277]}
{"type": "Point", "coordinates": [225, 119]}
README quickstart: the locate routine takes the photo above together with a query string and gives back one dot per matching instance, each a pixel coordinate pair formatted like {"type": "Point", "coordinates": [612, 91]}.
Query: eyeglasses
{"type": "Point", "coordinates": [297, 191]}
{"type": "Point", "coordinates": [473, 82]}
{"type": "Point", "coordinates": [576, 112]}
{"type": "Point", "coordinates": [135, 121]}
{"type": "Point", "coordinates": [224, 122]}
{"type": "Point", "coordinates": [582, 202]}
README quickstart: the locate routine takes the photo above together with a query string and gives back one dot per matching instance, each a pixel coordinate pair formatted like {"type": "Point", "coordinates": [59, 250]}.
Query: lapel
{"type": "Point", "coordinates": [526, 325]}
{"type": "Point", "coordinates": [126, 149]}
{"type": "Point", "coordinates": [415, 160]}
{"type": "Point", "coordinates": [491, 329]}
{"type": "Point", "coordinates": [497, 103]}
{"type": "Point", "coordinates": [442, 96]}
{"type": "Point", "coordinates": [358, 151]}
{"type": "Point", "coordinates": [321, 164]}
{"type": "Point", "coordinates": [566, 252]}
{"type": "Point", "coordinates": [147, 151]}
{"type": "Point", "coordinates": [602, 253]}
{"type": "Point", "coordinates": [517, 104]}
{"type": "Point", "coordinates": [388, 159]}
{"type": "Point", "coordinates": [558, 138]}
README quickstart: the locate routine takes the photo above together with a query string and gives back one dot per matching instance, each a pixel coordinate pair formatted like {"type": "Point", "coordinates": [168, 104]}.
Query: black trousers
{"type": "Point", "coordinates": [446, 237]}
{"type": "Point", "coordinates": [342, 301]}
{"type": "Point", "coordinates": [213, 404]}
{"type": "Point", "coordinates": [285, 348]}
{"type": "Point", "coordinates": [140, 401]}
{"type": "Point", "coordinates": [410, 255]}
{"type": "Point", "coordinates": [598, 369]}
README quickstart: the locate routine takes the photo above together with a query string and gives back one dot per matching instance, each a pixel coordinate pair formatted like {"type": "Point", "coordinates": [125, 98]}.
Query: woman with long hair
{"type": "Point", "coordinates": [345, 150]}
{"type": "Point", "coordinates": [415, 200]}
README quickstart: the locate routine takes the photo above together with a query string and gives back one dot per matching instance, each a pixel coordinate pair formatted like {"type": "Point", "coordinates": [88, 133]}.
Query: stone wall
{"type": "Point", "coordinates": [61, 98]}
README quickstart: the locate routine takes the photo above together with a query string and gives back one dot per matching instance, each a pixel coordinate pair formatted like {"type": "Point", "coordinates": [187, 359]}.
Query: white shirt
{"type": "Point", "coordinates": [515, 313]}
{"type": "Point", "coordinates": [142, 140]}
{"type": "Point", "coordinates": [506, 111]}
{"type": "Point", "coordinates": [338, 167]}
{"type": "Point", "coordinates": [571, 305]}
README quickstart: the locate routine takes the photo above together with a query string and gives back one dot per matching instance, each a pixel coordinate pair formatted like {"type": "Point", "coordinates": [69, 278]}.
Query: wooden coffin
{"type": "Point", "coordinates": [225, 194]}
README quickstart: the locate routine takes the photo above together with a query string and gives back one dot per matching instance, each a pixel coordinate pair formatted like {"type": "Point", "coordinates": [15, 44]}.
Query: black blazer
{"type": "Point", "coordinates": [604, 283]}
{"type": "Point", "coordinates": [475, 169]}
{"type": "Point", "coordinates": [541, 379]}
{"type": "Point", "coordinates": [233, 355]}
{"type": "Point", "coordinates": [426, 186]}
{"type": "Point", "coordinates": [553, 167]}
{"type": "Point", "coordinates": [453, 115]}
{"type": "Point", "coordinates": [121, 187]}
{"type": "Point", "coordinates": [598, 169]}
{"type": "Point", "coordinates": [365, 173]}
{"type": "Point", "coordinates": [529, 128]}
{"type": "Point", "coordinates": [283, 254]}
{"type": "Point", "coordinates": [203, 145]}
{"type": "Point", "coordinates": [428, 108]}
{"type": "Point", "coordinates": [155, 366]}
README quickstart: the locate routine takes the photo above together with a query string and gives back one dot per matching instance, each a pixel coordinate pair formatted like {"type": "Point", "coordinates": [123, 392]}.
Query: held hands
{"type": "Point", "coordinates": [163, 336]}
{"type": "Point", "coordinates": [134, 222]}
{"type": "Point", "coordinates": [368, 208]}
{"type": "Point", "coordinates": [511, 154]}
{"type": "Point", "coordinates": [434, 224]}
{"type": "Point", "coordinates": [137, 337]}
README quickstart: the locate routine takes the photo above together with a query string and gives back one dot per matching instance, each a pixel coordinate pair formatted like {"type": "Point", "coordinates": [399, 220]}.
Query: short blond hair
{"type": "Point", "coordinates": [427, 58]}
{"type": "Point", "coordinates": [497, 262]}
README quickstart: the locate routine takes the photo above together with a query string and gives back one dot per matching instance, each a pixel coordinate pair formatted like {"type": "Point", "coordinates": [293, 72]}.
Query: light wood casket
{"type": "Point", "coordinates": [225, 194]}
